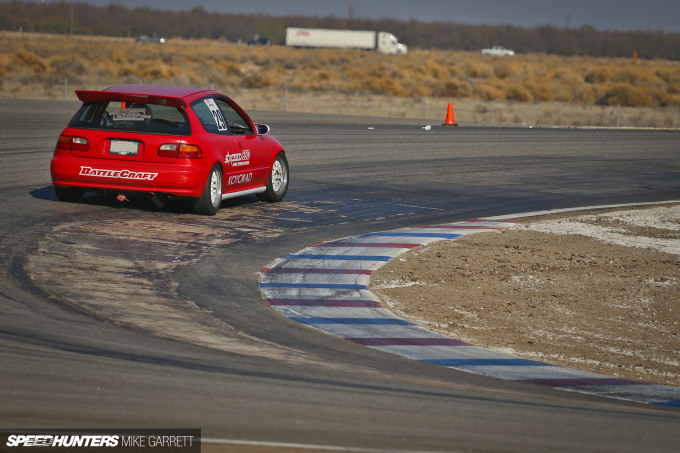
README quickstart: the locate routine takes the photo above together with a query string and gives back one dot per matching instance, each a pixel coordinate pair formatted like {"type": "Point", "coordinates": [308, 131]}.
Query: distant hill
{"type": "Point", "coordinates": [121, 21]}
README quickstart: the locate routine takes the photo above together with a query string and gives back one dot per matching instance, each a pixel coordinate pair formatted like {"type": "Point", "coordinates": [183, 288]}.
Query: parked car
{"type": "Point", "coordinates": [153, 38]}
{"type": "Point", "coordinates": [166, 142]}
{"type": "Point", "coordinates": [498, 51]}
{"type": "Point", "coordinates": [259, 42]}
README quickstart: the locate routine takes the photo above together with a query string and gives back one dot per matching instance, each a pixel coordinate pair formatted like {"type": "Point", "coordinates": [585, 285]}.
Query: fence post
{"type": "Point", "coordinates": [618, 116]}
{"type": "Point", "coordinates": [559, 115]}
{"type": "Point", "coordinates": [425, 107]}
{"type": "Point", "coordinates": [285, 99]}
{"type": "Point", "coordinates": [65, 87]}
{"type": "Point", "coordinates": [492, 111]}
{"type": "Point", "coordinates": [356, 103]}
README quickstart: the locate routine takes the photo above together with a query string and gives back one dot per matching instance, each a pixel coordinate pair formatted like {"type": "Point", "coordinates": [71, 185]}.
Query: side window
{"type": "Point", "coordinates": [236, 122]}
{"type": "Point", "coordinates": [210, 116]}
{"type": "Point", "coordinates": [218, 117]}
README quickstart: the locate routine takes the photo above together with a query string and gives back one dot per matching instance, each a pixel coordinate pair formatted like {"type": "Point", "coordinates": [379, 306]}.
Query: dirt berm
{"type": "Point", "coordinates": [597, 291]}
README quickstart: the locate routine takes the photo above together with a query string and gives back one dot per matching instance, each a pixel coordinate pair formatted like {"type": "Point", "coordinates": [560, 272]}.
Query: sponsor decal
{"type": "Point", "coordinates": [134, 114]}
{"type": "Point", "coordinates": [117, 174]}
{"type": "Point", "coordinates": [238, 159]}
{"type": "Point", "coordinates": [240, 179]}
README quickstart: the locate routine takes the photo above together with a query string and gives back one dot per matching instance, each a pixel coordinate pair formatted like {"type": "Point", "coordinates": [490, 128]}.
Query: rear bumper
{"type": "Point", "coordinates": [102, 174]}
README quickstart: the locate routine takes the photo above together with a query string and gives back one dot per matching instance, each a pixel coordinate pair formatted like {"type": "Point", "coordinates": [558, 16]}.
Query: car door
{"type": "Point", "coordinates": [242, 153]}
{"type": "Point", "coordinates": [248, 166]}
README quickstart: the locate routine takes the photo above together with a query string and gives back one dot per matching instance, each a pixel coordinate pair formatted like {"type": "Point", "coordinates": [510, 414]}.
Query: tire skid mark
{"type": "Point", "coordinates": [121, 270]}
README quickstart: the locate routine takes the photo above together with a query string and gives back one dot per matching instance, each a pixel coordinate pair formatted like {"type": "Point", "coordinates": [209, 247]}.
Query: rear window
{"type": "Point", "coordinates": [132, 117]}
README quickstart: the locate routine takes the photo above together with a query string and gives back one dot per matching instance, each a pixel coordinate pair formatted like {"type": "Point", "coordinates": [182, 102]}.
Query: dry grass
{"type": "Point", "coordinates": [532, 88]}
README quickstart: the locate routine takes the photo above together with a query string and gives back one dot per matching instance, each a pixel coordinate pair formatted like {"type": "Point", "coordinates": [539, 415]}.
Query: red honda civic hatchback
{"type": "Point", "coordinates": [167, 142]}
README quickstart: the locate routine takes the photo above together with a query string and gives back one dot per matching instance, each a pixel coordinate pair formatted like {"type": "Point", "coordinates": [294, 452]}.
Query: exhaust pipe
{"type": "Point", "coordinates": [157, 201]}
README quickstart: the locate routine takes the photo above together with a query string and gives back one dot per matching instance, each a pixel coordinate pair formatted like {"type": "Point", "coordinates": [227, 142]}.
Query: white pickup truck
{"type": "Point", "coordinates": [498, 51]}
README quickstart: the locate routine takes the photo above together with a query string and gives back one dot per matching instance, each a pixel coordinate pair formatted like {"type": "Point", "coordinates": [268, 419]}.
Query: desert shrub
{"type": "Point", "coordinates": [626, 95]}
{"type": "Point", "coordinates": [540, 89]}
{"type": "Point", "coordinates": [455, 88]}
{"type": "Point", "coordinates": [647, 77]}
{"type": "Point", "coordinates": [518, 92]}
{"type": "Point", "coordinates": [501, 70]}
{"type": "Point", "coordinates": [566, 75]}
{"type": "Point", "coordinates": [626, 76]}
{"type": "Point", "coordinates": [531, 67]}
{"type": "Point", "coordinates": [376, 70]}
{"type": "Point", "coordinates": [661, 97]}
{"type": "Point", "coordinates": [489, 92]}
{"type": "Point", "coordinates": [318, 80]}
{"type": "Point", "coordinates": [129, 70]}
{"type": "Point", "coordinates": [259, 79]}
{"type": "Point", "coordinates": [562, 93]}
{"type": "Point", "coordinates": [455, 71]}
{"type": "Point", "coordinates": [673, 87]}
{"type": "Point", "coordinates": [434, 70]}
{"type": "Point", "coordinates": [352, 78]}
{"type": "Point", "coordinates": [216, 71]}
{"type": "Point", "coordinates": [156, 70]}
{"type": "Point", "coordinates": [671, 76]}
{"type": "Point", "coordinates": [226, 66]}
{"type": "Point", "coordinates": [599, 75]}
{"type": "Point", "coordinates": [117, 57]}
{"type": "Point", "coordinates": [261, 60]}
{"type": "Point", "coordinates": [193, 79]}
{"type": "Point", "coordinates": [382, 85]}
{"type": "Point", "coordinates": [475, 70]}
{"type": "Point", "coordinates": [29, 60]}
{"type": "Point", "coordinates": [416, 89]}
{"type": "Point", "coordinates": [65, 65]}
{"type": "Point", "coordinates": [5, 61]}
{"type": "Point", "coordinates": [568, 85]}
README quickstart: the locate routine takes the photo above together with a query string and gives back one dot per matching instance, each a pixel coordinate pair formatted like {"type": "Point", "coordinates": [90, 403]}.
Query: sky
{"type": "Point", "coordinates": [624, 15]}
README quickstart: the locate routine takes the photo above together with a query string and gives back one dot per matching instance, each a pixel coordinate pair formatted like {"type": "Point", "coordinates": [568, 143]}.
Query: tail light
{"type": "Point", "coordinates": [190, 152]}
{"type": "Point", "coordinates": [168, 150]}
{"type": "Point", "coordinates": [69, 143]}
{"type": "Point", "coordinates": [64, 142]}
{"type": "Point", "coordinates": [180, 151]}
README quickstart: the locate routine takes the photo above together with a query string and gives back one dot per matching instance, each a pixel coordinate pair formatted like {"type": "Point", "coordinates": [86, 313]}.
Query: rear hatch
{"type": "Point", "coordinates": [127, 131]}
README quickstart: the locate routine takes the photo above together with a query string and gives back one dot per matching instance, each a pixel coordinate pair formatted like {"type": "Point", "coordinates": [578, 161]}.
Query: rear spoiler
{"type": "Point", "coordinates": [104, 96]}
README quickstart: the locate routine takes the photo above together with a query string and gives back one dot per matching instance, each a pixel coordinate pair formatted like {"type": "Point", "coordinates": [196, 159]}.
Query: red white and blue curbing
{"type": "Point", "coordinates": [326, 287]}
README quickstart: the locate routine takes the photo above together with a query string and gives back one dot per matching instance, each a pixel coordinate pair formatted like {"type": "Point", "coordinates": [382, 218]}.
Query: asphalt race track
{"type": "Point", "coordinates": [123, 316]}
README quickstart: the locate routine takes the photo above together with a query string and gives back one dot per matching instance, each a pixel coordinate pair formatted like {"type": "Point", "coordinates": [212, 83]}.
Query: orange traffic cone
{"type": "Point", "coordinates": [450, 120]}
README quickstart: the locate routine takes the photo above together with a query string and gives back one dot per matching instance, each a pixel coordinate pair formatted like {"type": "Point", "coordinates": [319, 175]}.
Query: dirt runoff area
{"type": "Point", "coordinates": [597, 291]}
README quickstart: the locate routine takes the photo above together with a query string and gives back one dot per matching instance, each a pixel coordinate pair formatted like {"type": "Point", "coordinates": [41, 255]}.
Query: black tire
{"type": "Point", "coordinates": [210, 200]}
{"type": "Point", "coordinates": [277, 186]}
{"type": "Point", "coordinates": [69, 193]}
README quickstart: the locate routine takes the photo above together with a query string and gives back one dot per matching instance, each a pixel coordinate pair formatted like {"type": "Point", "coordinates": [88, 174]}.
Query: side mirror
{"type": "Point", "coordinates": [262, 129]}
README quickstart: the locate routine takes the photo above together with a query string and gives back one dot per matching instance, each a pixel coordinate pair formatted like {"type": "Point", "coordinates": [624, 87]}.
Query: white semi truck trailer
{"type": "Point", "coordinates": [344, 39]}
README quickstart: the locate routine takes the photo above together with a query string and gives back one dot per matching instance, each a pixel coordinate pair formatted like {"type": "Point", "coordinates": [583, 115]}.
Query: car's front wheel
{"type": "Point", "coordinates": [210, 200]}
{"type": "Point", "coordinates": [277, 186]}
